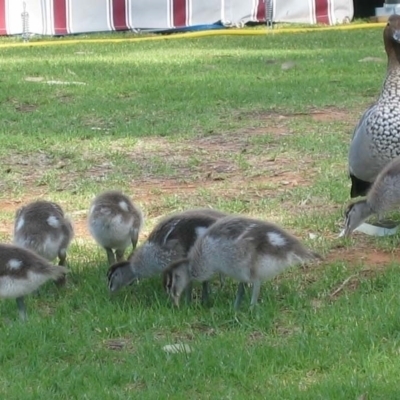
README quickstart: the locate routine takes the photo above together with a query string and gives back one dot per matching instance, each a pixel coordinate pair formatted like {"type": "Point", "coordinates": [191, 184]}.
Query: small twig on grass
{"type": "Point", "coordinates": [341, 287]}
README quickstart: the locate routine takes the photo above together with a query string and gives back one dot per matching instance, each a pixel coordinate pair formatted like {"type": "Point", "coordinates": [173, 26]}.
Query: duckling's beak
{"type": "Point", "coordinates": [344, 233]}
{"type": "Point", "coordinates": [396, 36]}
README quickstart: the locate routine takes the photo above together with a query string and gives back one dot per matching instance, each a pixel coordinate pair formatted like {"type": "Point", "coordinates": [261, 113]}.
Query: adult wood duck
{"type": "Point", "coordinates": [376, 138]}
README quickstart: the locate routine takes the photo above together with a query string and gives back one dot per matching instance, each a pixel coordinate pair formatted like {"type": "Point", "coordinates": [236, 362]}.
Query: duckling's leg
{"type": "Point", "coordinates": [188, 293]}
{"type": "Point", "coordinates": [120, 254]}
{"type": "Point", "coordinates": [134, 239]}
{"type": "Point", "coordinates": [255, 294]}
{"type": "Point", "coordinates": [110, 256]}
{"type": "Point", "coordinates": [21, 308]}
{"type": "Point", "coordinates": [205, 292]}
{"type": "Point", "coordinates": [239, 296]}
{"type": "Point", "coordinates": [62, 257]}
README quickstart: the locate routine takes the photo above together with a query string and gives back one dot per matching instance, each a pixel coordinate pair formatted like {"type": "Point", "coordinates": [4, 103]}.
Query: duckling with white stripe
{"type": "Point", "coordinates": [248, 250]}
{"type": "Point", "coordinates": [115, 223]}
{"type": "Point", "coordinates": [42, 227]}
{"type": "Point", "coordinates": [170, 240]}
{"type": "Point", "coordinates": [22, 272]}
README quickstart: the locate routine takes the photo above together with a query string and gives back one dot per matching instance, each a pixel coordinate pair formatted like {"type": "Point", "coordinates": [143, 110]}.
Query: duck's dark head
{"type": "Point", "coordinates": [120, 275]}
{"type": "Point", "coordinates": [355, 214]}
{"type": "Point", "coordinates": [391, 37]}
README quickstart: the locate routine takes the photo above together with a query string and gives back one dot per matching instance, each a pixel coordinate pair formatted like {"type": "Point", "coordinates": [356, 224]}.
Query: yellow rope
{"type": "Point", "coordinates": [191, 35]}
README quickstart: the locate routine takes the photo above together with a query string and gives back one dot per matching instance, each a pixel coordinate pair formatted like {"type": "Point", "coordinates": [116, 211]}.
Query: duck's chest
{"type": "Point", "coordinates": [383, 127]}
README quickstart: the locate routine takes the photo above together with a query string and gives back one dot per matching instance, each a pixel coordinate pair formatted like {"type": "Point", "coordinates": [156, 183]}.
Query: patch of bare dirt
{"type": "Point", "coordinates": [119, 344]}
{"type": "Point", "coordinates": [22, 107]}
{"type": "Point", "coordinates": [80, 227]}
{"type": "Point", "coordinates": [25, 108]}
{"type": "Point", "coordinates": [96, 123]}
{"type": "Point", "coordinates": [373, 261]}
{"type": "Point", "coordinates": [64, 97]}
{"type": "Point", "coordinates": [326, 114]}
{"type": "Point", "coordinates": [229, 157]}
{"type": "Point", "coordinates": [363, 253]}
{"type": "Point", "coordinates": [249, 164]}
{"type": "Point", "coordinates": [175, 336]}
{"type": "Point", "coordinates": [11, 206]}
{"type": "Point", "coordinates": [352, 282]}
{"type": "Point", "coordinates": [161, 166]}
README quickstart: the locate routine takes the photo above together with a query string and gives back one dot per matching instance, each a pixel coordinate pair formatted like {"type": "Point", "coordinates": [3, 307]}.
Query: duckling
{"type": "Point", "coordinates": [383, 196]}
{"type": "Point", "coordinates": [170, 240]}
{"type": "Point", "coordinates": [115, 222]}
{"type": "Point", "coordinates": [42, 227]}
{"type": "Point", "coordinates": [246, 249]}
{"type": "Point", "coordinates": [22, 272]}
{"type": "Point", "coordinates": [376, 138]}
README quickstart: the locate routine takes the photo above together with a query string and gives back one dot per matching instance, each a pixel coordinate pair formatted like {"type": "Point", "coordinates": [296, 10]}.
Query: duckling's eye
{"type": "Point", "coordinates": [388, 24]}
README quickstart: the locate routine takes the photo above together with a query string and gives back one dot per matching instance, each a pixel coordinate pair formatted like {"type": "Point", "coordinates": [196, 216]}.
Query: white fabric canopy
{"type": "Point", "coordinates": [61, 17]}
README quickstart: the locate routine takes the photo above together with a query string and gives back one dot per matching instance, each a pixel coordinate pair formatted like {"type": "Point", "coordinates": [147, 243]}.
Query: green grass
{"type": "Point", "coordinates": [186, 123]}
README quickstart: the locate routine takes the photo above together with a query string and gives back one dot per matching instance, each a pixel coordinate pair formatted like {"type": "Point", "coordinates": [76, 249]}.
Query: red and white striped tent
{"type": "Point", "coordinates": [62, 17]}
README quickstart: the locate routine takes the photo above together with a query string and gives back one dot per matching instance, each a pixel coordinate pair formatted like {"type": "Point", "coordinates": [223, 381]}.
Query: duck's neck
{"type": "Point", "coordinates": [391, 87]}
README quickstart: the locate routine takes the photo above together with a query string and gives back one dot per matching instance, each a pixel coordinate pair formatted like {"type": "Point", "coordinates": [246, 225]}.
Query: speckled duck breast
{"type": "Point", "coordinates": [376, 138]}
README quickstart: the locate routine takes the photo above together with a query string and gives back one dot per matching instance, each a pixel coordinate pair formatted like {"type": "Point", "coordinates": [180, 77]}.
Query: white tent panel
{"type": "Point", "coordinates": [140, 16]}
{"type": "Point", "coordinates": [63, 17]}
{"type": "Point", "coordinates": [81, 18]}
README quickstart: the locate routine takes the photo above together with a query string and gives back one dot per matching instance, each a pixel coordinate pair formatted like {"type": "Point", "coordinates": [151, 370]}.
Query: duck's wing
{"type": "Point", "coordinates": [363, 165]}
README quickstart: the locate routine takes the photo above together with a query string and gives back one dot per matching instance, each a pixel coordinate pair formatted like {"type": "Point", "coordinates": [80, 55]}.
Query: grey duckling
{"type": "Point", "coordinates": [383, 196]}
{"type": "Point", "coordinates": [115, 223]}
{"type": "Point", "coordinates": [42, 227]}
{"type": "Point", "coordinates": [170, 240]}
{"type": "Point", "coordinates": [248, 250]}
{"type": "Point", "coordinates": [22, 272]}
{"type": "Point", "coordinates": [376, 138]}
